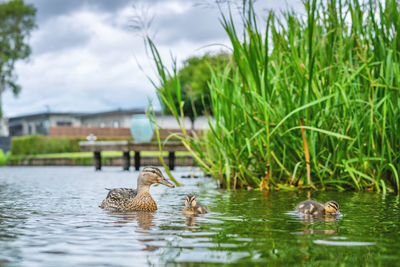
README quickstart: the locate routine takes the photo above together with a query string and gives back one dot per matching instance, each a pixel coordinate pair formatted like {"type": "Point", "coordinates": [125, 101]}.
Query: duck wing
{"type": "Point", "coordinates": [117, 198]}
{"type": "Point", "coordinates": [200, 209]}
{"type": "Point", "coordinates": [121, 193]}
{"type": "Point", "coordinates": [311, 207]}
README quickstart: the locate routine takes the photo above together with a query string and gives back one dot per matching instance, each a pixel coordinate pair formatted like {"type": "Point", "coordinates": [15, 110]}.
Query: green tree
{"type": "Point", "coordinates": [17, 20]}
{"type": "Point", "coordinates": [194, 77]}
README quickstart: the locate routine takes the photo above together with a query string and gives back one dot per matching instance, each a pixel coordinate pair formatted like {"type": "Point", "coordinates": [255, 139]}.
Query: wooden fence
{"type": "Point", "coordinates": [105, 132]}
{"type": "Point", "coordinates": [69, 131]}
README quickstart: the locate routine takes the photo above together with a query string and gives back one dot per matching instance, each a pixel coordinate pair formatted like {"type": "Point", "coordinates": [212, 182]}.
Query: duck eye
{"type": "Point", "coordinates": [333, 206]}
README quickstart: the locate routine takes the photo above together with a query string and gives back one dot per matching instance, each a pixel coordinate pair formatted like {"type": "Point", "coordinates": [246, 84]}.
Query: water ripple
{"type": "Point", "coordinates": [50, 217]}
{"type": "Point", "coordinates": [343, 243]}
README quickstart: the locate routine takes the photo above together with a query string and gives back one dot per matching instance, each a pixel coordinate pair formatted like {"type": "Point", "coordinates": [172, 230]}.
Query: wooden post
{"type": "Point", "coordinates": [137, 160]}
{"type": "Point", "coordinates": [171, 158]}
{"type": "Point", "coordinates": [126, 161]}
{"type": "Point", "coordinates": [97, 160]}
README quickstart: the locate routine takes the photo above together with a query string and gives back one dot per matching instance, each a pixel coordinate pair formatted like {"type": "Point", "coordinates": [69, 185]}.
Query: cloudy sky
{"type": "Point", "coordinates": [87, 57]}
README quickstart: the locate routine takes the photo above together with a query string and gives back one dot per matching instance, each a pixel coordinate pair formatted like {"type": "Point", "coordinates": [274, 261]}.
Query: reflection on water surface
{"type": "Point", "coordinates": [50, 216]}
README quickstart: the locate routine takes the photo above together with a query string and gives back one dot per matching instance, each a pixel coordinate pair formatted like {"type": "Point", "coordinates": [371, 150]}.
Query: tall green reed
{"type": "Point", "coordinates": [337, 69]}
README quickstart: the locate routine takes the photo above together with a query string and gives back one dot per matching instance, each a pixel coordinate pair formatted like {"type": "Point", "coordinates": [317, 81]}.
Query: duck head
{"type": "Point", "coordinates": [190, 201]}
{"type": "Point", "coordinates": [152, 175]}
{"type": "Point", "coordinates": [332, 208]}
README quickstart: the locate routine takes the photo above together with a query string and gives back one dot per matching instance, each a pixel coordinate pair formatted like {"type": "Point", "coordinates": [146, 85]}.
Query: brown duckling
{"type": "Point", "coordinates": [125, 199]}
{"type": "Point", "coordinates": [312, 207]}
{"type": "Point", "coordinates": [192, 207]}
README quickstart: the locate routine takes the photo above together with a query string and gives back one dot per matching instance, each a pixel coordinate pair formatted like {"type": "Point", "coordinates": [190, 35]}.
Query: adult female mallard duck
{"type": "Point", "coordinates": [312, 207]}
{"type": "Point", "coordinates": [125, 199]}
{"type": "Point", "coordinates": [192, 207]}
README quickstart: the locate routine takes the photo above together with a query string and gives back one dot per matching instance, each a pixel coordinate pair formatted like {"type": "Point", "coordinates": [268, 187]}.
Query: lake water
{"type": "Point", "coordinates": [49, 216]}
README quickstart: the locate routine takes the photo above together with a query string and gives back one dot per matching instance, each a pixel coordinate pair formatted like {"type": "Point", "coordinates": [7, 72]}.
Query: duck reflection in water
{"type": "Point", "coordinates": [144, 219]}
{"type": "Point", "coordinates": [190, 220]}
{"type": "Point", "coordinates": [319, 221]}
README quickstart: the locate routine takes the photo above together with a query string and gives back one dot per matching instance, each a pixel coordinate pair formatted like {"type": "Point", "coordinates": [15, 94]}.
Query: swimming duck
{"type": "Point", "coordinates": [312, 207]}
{"type": "Point", "coordinates": [126, 199]}
{"type": "Point", "coordinates": [192, 207]}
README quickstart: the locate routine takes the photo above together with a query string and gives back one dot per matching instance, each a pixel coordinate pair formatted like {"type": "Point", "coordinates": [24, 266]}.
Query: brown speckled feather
{"type": "Point", "coordinates": [118, 197]}
{"type": "Point", "coordinates": [143, 201]}
{"type": "Point", "coordinates": [311, 207]}
{"type": "Point", "coordinates": [198, 209]}
{"type": "Point", "coordinates": [117, 202]}
{"type": "Point", "coordinates": [121, 193]}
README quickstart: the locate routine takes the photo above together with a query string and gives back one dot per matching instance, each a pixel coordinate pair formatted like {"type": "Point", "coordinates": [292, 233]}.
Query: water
{"type": "Point", "coordinates": [49, 216]}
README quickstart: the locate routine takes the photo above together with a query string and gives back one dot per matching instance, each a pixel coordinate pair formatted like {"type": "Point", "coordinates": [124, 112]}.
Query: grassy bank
{"type": "Point", "coordinates": [81, 158]}
{"type": "Point", "coordinates": [106, 154]}
{"type": "Point", "coordinates": [4, 157]}
{"type": "Point", "coordinates": [308, 101]}
{"type": "Point", "coordinates": [39, 144]}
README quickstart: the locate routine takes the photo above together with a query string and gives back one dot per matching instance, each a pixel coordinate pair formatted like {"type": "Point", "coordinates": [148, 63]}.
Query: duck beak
{"type": "Point", "coordinates": [189, 204]}
{"type": "Point", "coordinates": [166, 182]}
{"type": "Point", "coordinates": [337, 213]}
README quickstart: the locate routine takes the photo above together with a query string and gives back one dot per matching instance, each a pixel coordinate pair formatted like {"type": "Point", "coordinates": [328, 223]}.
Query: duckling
{"type": "Point", "coordinates": [312, 207]}
{"type": "Point", "coordinates": [192, 207]}
{"type": "Point", "coordinates": [126, 199]}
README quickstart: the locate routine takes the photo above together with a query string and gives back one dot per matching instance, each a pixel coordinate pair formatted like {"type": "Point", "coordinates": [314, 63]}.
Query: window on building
{"type": "Point", "coordinates": [116, 124]}
{"type": "Point", "coordinates": [42, 127]}
{"type": "Point", "coordinates": [16, 130]}
{"type": "Point", "coordinates": [64, 123]}
{"type": "Point", "coordinates": [102, 125]}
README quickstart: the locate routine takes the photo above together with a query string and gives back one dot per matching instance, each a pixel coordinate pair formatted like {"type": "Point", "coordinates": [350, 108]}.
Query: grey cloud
{"type": "Point", "coordinates": [201, 23]}
{"type": "Point", "coordinates": [196, 25]}
{"type": "Point", "coordinates": [53, 8]}
{"type": "Point", "coordinates": [60, 38]}
{"type": "Point", "coordinates": [39, 100]}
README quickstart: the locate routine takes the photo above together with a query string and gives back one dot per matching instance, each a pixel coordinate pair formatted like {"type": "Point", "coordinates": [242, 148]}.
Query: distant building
{"type": "Point", "coordinates": [4, 127]}
{"type": "Point", "coordinates": [39, 124]}
{"type": "Point", "coordinates": [119, 118]}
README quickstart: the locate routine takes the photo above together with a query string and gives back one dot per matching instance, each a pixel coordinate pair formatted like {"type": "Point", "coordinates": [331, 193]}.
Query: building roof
{"type": "Point", "coordinates": [115, 112]}
{"type": "Point", "coordinates": [80, 114]}
{"type": "Point", "coordinates": [44, 115]}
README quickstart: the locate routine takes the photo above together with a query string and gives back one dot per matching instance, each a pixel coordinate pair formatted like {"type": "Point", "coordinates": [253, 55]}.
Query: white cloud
{"type": "Point", "coordinates": [86, 58]}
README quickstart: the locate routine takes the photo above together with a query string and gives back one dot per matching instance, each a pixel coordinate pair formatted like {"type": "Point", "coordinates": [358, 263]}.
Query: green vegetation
{"type": "Point", "coordinates": [17, 20]}
{"type": "Point", "coordinates": [78, 154]}
{"type": "Point", "coordinates": [194, 77]}
{"type": "Point", "coordinates": [334, 74]}
{"type": "Point", "coordinates": [38, 144]}
{"type": "Point", "coordinates": [4, 157]}
{"type": "Point", "coordinates": [35, 144]}
{"type": "Point", "coordinates": [79, 158]}
{"type": "Point", "coordinates": [107, 154]}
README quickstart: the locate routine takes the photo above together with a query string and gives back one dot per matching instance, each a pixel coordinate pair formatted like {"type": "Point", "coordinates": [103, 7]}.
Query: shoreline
{"type": "Point", "coordinates": [106, 161]}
